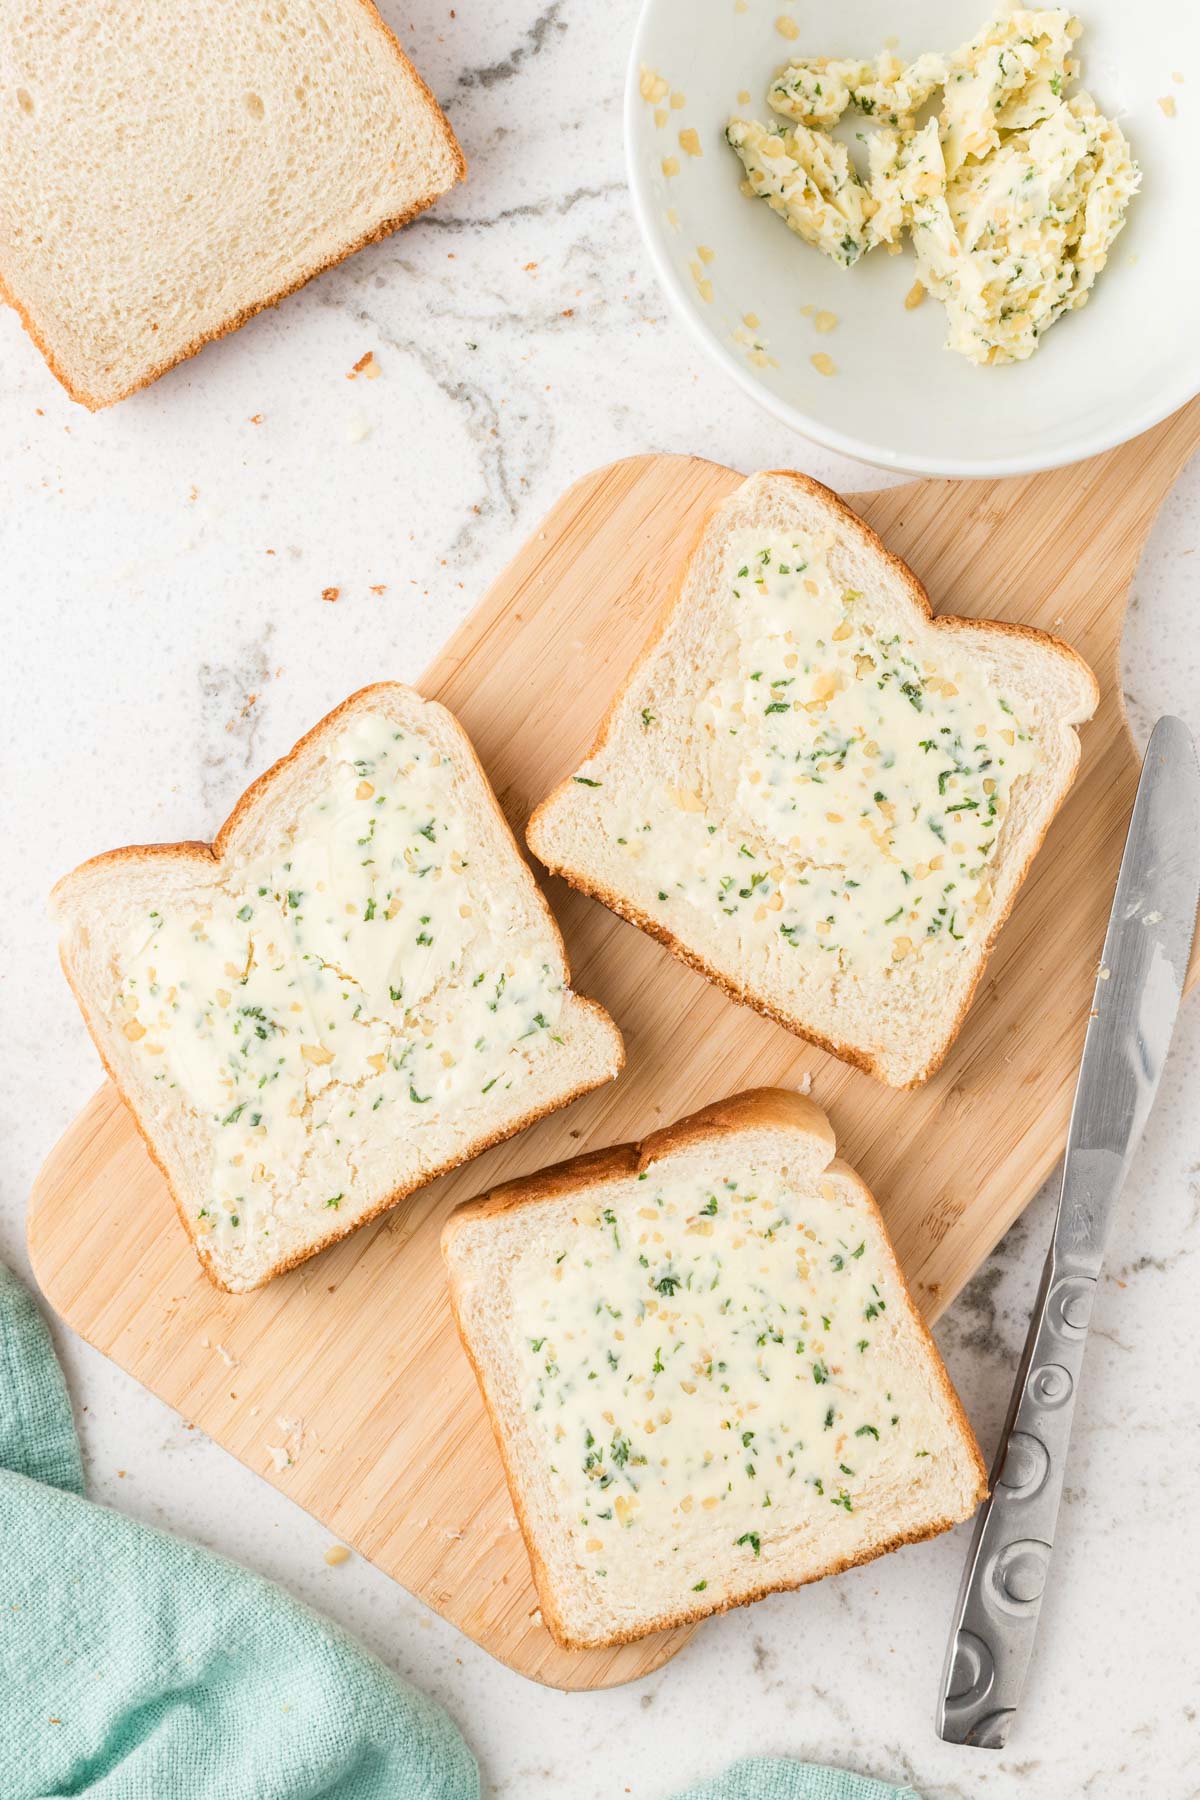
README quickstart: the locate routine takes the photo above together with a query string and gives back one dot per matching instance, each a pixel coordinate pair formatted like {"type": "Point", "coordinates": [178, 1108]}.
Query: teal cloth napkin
{"type": "Point", "coordinates": [137, 1667]}
{"type": "Point", "coordinates": [774, 1778]}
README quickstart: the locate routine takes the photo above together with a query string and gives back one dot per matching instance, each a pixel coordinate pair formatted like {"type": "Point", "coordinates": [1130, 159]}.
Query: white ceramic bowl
{"type": "Point", "coordinates": [899, 399]}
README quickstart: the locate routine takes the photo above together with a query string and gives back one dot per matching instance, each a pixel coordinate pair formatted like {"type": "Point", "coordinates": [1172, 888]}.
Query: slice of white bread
{"type": "Point", "coordinates": [816, 793]}
{"type": "Point", "coordinates": [356, 987]}
{"type": "Point", "coordinates": [705, 1373]}
{"type": "Point", "coordinates": [168, 170]}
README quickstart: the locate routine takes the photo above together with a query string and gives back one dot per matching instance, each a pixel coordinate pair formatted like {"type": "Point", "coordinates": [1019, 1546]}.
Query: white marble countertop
{"type": "Point", "coordinates": [165, 637]}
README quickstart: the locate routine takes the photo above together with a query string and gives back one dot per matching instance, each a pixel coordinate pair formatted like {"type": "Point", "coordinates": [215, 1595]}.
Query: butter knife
{"type": "Point", "coordinates": [1140, 986]}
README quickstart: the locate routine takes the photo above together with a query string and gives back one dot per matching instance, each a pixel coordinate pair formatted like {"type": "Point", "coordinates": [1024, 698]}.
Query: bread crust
{"type": "Point", "coordinates": [440, 127]}
{"type": "Point", "coordinates": [209, 855]}
{"type": "Point", "coordinates": [917, 594]}
{"type": "Point", "coordinates": [752, 1108]}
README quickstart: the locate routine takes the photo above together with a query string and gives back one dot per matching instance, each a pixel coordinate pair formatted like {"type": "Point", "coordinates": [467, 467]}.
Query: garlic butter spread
{"type": "Point", "coordinates": [355, 977]}
{"type": "Point", "coordinates": [1013, 194]}
{"type": "Point", "coordinates": [716, 1355]}
{"type": "Point", "coordinates": [808, 179]}
{"type": "Point", "coordinates": [850, 785]}
{"type": "Point", "coordinates": [818, 91]}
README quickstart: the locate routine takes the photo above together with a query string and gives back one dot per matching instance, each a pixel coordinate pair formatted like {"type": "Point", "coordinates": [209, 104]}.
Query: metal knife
{"type": "Point", "coordinates": [1137, 997]}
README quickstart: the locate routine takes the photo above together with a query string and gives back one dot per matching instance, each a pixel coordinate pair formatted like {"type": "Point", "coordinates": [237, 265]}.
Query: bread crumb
{"type": "Point", "coordinates": [331, 594]}
{"type": "Point", "coordinates": [337, 1554]}
{"type": "Point", "coordinates": [379, 587]}
{"type": "Point", "coordinates": [284, 1455]}
{"type": "Point", "coordinates": [367, 367]}
{"type": "Point", "coordinates": [804, 1085]}
{"type": "Point", "coordinates": [360, 428]}
{"type": "Point", "coordinates": [256, 418]}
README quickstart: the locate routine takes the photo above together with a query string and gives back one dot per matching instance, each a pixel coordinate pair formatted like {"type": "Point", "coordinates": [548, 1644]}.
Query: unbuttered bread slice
{"type": "Point", "coordinates": [168, 169]}
{"type": "Point", "coordinates": [355, 988]}
{"type": "Point", "coordinates": [815, 792]}
{"type": "Point", "coordinates": [705, 1373]}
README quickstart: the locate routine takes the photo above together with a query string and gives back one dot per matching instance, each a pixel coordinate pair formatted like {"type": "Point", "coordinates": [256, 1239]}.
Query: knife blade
{"type": "Point", "coordinates": [1139, 987]}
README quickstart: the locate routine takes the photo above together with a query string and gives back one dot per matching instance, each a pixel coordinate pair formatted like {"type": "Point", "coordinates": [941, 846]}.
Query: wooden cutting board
{"type": "Point", "coordinates": [350, 1364]}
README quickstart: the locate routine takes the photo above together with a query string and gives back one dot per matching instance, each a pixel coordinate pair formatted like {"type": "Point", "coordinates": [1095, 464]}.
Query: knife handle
{"type": "Point", "coordinates": [996, 1619]}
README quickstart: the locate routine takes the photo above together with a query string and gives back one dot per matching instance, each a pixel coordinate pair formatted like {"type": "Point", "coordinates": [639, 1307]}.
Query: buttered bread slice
{"type": "Point", "coordinates": [706, 1375]}
{"type": "Point", "coordinates": [356, 987]}
{"type": "Point", "coordinates": [815, 792]}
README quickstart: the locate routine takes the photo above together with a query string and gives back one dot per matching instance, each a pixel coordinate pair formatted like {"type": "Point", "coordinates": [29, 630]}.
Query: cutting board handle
{"type": "Point", "coordinates": [1127, 485]}
{"type": "Point", "coordinates": [1026, 539]}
